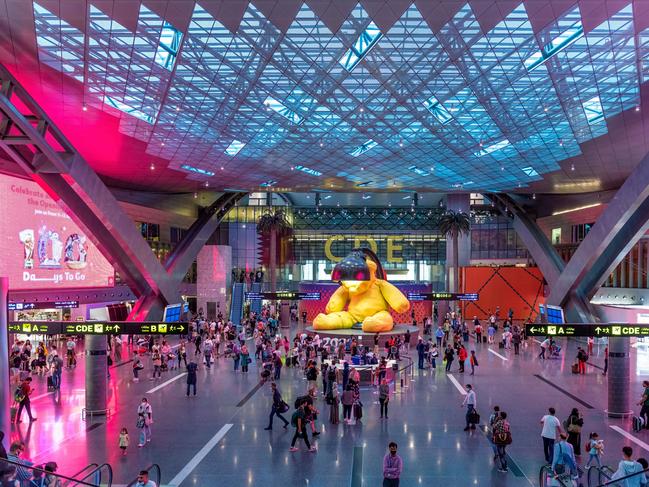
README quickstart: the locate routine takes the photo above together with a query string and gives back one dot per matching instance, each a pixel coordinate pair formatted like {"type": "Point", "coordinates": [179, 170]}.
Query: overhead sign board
{"type": "Point", "coordinates": [283, 295]}
{"type": "Point", "coordinates": [16, 306]}
{"type": "Point", "coordinates": [443, 296]}
{"type": "Point", "coordinates": [98, 328]}
{"type": "Point", "coordinates": [589, 330]}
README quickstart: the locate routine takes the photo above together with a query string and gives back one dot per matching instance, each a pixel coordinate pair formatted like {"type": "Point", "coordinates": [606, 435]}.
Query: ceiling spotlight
{"type": "Point", "coordinates": [321, 144]}
{"type": "Point", "coordinates": [195, 195]}
{"type": "Point", "coordinates": [561, 143]}
{"type": "Point", "coordinates": [637, 108]}
{"type": "Point", "coordinates": [177, 108]}
{"type": "Point", "coordinates": [401, 143]}
{"type": "Point", "coordinates": [362, 109]}
{"type": "Point", "coordinates": [85, 107]}
{"type": "Point", "coordinates": [292, 168]}
{"type": "Point", "coordinates": [152, 167]}
{"type": "Point", "coordinates": [533, 196]}
{"type": "Point", "coordinates": [162, 144]}
{"type": "Point", "coordinates": [545, 109]}
{"type": "Point", "coordinates": [362, 169]}
{"type": "Point", "coordinates": [222, 168]}
{"type": "Point", "coordinates": [502, 168]}
{"type": "Point", "coordinates": [572, 167]}
{"type": "Point", "coordinates": [207, 184]}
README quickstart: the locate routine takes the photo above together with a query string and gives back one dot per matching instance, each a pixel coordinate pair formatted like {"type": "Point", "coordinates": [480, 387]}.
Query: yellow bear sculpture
{"type": "Point", "coordinates": [368, 301]}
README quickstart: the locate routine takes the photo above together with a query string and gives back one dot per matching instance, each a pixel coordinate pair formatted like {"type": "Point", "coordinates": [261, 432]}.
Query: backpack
{"type": "Point", "coordinates": [300, 400]}
{"type": "Point", "coordinates": [19, 396]}
{"type": "Point", "coordinates": [294, 416]}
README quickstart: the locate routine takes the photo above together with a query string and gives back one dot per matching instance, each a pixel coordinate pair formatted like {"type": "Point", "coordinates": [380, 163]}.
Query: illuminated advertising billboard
{"type": "Point", "coordinates": [41, 247]}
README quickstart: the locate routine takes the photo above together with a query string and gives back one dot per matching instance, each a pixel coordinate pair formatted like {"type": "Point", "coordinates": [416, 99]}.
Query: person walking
{"type": "Point", "coordinates": [628, 466]}
{"type": "Point", "coordinates": [157, 364]}
{"type": "Point", "coordinates": [245, 358]}
{"type": "Point", "coordinates": [334, 399]}
{"type": "Point", "coordinates": [192, 367]}
{"type": "Point", "coordinates": [144, 421]}
{"type": "Point", "coordinates": [545, 344]}
{"type": "Point", "coordinates": [563, 457]}
{"type": "Point", "coordinates": [462, 356]}
{"type": "Point", "coordinates": [439, 336]}
{"type": "Point", "coordinates": [502, 437]}
{"type": "Point", "coordinates": [574, 423]}
{"type": "Point", "coordinates": [348, 402]}
{"type": "Point", "coordinates": [470, 403]}
{"type": "Point", "coordinates": [551, 429]}
{"type": "Point", "coordinates": [595, 448]}
{"type": "Point", "coordinates": [278, 407]}
{"type": "Point", "coordinates": [582, 358]}
{"type": "Point", "coordinates": [384, 397]}
{"type": "Point", "coordinates": [22, 398]}
{"type": "Point", "coordinates": [298, 420]}
{"type": "Point", "coordinates": [473, 360]}
{"type": "Point", "coordinates": [421, 352]}
{"type": "Point", "coordinates": [448, 356]}
{"type": "Point", "coordinates": [392, 466]}
{"type": "Point", "coordinates": [516, 340]}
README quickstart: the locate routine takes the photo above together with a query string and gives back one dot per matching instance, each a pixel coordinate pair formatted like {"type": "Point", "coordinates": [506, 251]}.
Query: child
{"type": "Point", "coordinates": [123, 440]}
{"type": "Point", "coordinates": [474, 362]}
{"type": "Point", "coordinates": [172, 362]}
{"type": "Point", "coordinates": [595, 448]}
{"type": "Point", "coordinates": [137, 366]}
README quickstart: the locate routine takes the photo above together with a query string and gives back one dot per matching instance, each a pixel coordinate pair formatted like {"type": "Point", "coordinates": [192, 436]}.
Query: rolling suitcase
{"type": "Point", "coordinates": [501, 345]}
{"type": "Point", "coordinates": [50, 383]}
{"type": "Point", "coordinates": [484, 339]}
{"type": "Point", "coordinates": [638, 423]}
{"type": "Point", "coordinates": [575, 368]}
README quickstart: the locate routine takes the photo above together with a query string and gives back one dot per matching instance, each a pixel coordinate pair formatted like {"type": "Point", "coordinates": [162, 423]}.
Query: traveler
{"type": "Point", "coordinates": [192, 367]}
{"type": "Point", "coordinates": [384, 398]}
{"type": "Point", "coordinates": [462, 356]}
{"type": "Point", "coordinates": [245, 358]}
{"type": "Point", "coordinates": [278, 407]}
{"type": "Point", "coordinates": [348, 402]}
{"type": "Point", "coordinates": [563, 457]}
{"type": "Point", "coordinates": [516, 340]}
{"type": "Point", "coordinates": [551, 428]}
{"type": "Point", "coordinates": [470, 403]}
{"type": "Point", "coordinates": [21, 396]}
{"type": "Point", "coordinates": [137, 366]}
{"type": "Point", "coordinates": [23, 475]}
{"type": "Point", "coordinates": [334, 401]}
{"type": "Point", "coordinates": [448, 356]}
{"type": "Point", "coordinates": [545, 344]}
{"type": "Point", "coordinates": [299, 421]}
{"type": "Point", "coordinates": [582, 358]}
{"type": "Point", "coordinates": [644, 403]}
{"type": "Point", "coordinates": [144, 421]}
{"type": "Point", "coordinates": [473, 360]}
{"type": "Point", "coordinates": [392, 467]}
{"type": "Point", "coordinates": [628, 466]}
{"type": "Point", "coordinates": [143, 480]}
{"type": "Point", "coordinates": [421, 352]}
{"type": "Point", "coordinates": [595, 449]}
{"type": "Point", "coordinates": [501, 437]}
{"type": "Point", "coordinates": [605, 360]}
{"type": "Point", "coordinates": [573, 426]}
{"type": "Point", "coordinates": [439, 335]}
{"type": "Point", "coordinates": [157, 364]}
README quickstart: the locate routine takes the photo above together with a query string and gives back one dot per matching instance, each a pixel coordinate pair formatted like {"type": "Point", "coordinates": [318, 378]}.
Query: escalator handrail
{"type": "Point", "coordinates": [603, 471]}
{"type": "Point", "coordinates": [109, 469]}
{"type": "Point", "coordinates": [546, 471]}
{"type": "Point", "coordinates": [40, 470]}
{"type": "Point", "coordinates": [614, 482]}
{"type": "Point", "coordinates": [87, 467]}
{"type": "Point", "coordinates": [156, 468]}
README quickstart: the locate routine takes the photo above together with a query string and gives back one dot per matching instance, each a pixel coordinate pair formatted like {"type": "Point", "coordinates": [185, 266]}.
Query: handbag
{"type": "Point", "coordinates": [140, 422]}
{"type": "Point", "coordinates": [560, 468]}
{"type": "Point", "coordinates": [283, 407]}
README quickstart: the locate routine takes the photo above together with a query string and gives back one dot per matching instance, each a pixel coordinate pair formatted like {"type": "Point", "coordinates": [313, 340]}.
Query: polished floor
{"type": "Point", "coordinates": [218, 437]}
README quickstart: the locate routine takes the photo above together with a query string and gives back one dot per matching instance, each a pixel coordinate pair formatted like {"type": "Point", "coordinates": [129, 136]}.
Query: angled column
{"type": "Point", "coordinates": [5, 387]}
{"type": "Point", "coordinates": [96, 374]}
{"type": "Point", "coordinates": [624, 221]}
{"type": "Point", "coordinates": [619, 378]}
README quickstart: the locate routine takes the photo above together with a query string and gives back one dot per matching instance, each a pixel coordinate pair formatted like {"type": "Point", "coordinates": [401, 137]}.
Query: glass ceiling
{"type": "Point", "coordinates": [458, 108]}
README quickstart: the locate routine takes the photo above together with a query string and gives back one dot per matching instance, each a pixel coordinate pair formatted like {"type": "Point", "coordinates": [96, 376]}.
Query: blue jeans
{"type": "Point", "coordinates": [236, 363]}
{"type": "Point", "coordinates": [421, 360]}
{"type": "Point", "coordinates": [592, 457]}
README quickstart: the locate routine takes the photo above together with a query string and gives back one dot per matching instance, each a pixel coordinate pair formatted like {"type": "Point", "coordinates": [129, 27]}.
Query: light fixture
{"type": "Point", "coordinates": [637, 108]}
{"type": "Point", "coordinates": [162, 144]}
{"type": "Point", "coordinates": [85, 107]}
{"type": "Point", "coordinates": [572, 167]}
{"type": "Point", "coordinates": [321, 144]}
{"type": "Point", "coordinates": [362, 109]}
{"type": "Point", "coordinates": [401, 143]}
{"type": "Point", "coordinates": [502, 168]}
{"type": "Point", "coordinates": [152, 167]}
{"type": "Point", "coordinates": [561, 212]}
{"type": "Point", "coordinates": [177, 108]}
{"type": "Point", "coordinates": [222, 168]}
{"type": "Point", "coordinates": [195, 195]}
{"type": "Point", "coordinates": [533, 196]}
{"type": "Point", "coordinates": [207, 184]}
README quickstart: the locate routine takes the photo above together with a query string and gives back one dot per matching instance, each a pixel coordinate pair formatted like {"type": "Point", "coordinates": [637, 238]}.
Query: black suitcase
{"type": "Point", "coordinates": [50, 383]}
{"type": "Point", "coordinates": [484, 339]}
{"type": "Point", "coordinates": [501, 345]}
{"type": "Point", "coordinates": [638, 423]}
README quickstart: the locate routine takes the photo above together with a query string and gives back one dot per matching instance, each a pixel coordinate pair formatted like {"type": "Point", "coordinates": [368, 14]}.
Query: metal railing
{"type": "Point", "coordinates": [155, 474]}
{"type": "Point", "coordinates": [94, 473]}
{"type": "Point", "coordinates": [547, 478]}
{"type": "Point", "coordinates": [605, 477]}
{"type": "Point", "coordinates": [39, 474]}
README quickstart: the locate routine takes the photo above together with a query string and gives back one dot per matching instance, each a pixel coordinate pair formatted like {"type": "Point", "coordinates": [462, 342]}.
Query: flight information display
{"type": "Point", "coordinates": [443, 296]}
{"type": "Point", "coordinates": [97, 328]}
{"type": "Point", "coordinates": [42, 305]}
{"type": "Point", "coordinates": [589, 330]}
{"type": "Point", "coordinates": [283, 295]}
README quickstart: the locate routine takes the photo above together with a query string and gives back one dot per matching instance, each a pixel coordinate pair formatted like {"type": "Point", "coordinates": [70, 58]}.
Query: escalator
{"type": "Point", "coordinates": [236, 305]}
{"type": "Point", "coordinates": [93, 475]}
{"type": "Point", "coordinates": [255, 305]}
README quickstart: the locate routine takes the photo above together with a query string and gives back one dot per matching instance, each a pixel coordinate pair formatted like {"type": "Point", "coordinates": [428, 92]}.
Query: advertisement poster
{"type": "Point", "coordinates": [41, 247]}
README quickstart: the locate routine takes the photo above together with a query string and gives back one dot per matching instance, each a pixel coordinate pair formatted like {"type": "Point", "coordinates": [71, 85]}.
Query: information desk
{"type": "Point", "coordinates": [595, 330]}
{"type": "Point", "coordinates": [443, 296]}
{"type": "Point", "coordinates": [97, 328]}
{"type": "Point", "coordinates": [366, 372]}
{"type": "Point", "coordinates": [282, 296]}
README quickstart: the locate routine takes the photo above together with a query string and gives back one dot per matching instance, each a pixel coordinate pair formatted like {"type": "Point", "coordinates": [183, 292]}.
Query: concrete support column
{"type": "Point", "coordinates": [5, 387]}
{"type": "Point", "coordinates": [285, 314]}
{"type": "Point", "coordinates": [96, 374]}
{"type": "Point", "coordinates": [619, 374]}
{"type": "Point", "coordinates": [213, 278]}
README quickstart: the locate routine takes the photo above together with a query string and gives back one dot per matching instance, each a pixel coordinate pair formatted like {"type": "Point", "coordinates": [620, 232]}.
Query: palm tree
{"type": "Point", "coordinates": [275, 225]}
{"type": "Point", "coordinates": [453, 224]}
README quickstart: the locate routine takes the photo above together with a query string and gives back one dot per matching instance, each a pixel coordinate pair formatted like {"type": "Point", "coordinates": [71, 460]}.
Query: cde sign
{"type": "Point", "coordinates": [392, 246]}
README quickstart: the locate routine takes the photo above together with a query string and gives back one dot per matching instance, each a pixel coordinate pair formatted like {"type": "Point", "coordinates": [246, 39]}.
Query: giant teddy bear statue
{"type": "Point", "coordinates": [368, 301]}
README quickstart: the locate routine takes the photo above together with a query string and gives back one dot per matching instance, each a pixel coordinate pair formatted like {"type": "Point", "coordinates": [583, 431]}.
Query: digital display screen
{"type": "Point", "coordinates": [173, 312]}
{"type": "Point", "coordinates": [98, 328]}
{"type": "Point", "coordinates": [43, 305]}
{"type": "Point", "coordinates": [552, 314]}
{"type": "Point", "coordinates": [287, 295]}
{"type": "Point", "coordinates": [42, 248]}
{"type": "Point", "coordinates": [589, 330]}
{"type": "Point", "coordinates": [443, 296]}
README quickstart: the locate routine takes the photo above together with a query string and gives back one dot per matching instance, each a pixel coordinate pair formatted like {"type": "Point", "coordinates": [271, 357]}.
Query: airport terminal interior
{"type": "Point", "coordinates": [324, 243]}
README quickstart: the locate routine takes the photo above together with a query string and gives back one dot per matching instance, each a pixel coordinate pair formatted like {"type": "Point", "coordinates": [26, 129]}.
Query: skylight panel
{"type": "Point", "coordinates": [593, 110]}
{"type": "Point", "coordinates": [493, 148]}
{"type": "Point", "coordinates": [555, 46]}
{"type": "Point", "coordinates": [308, 170]}
{"type": "Point", "coordinates": [168, 46]}
{"type": "Point", "coordinates": [234, 148]}
{"type": "Point", "coordinates": [419, 171]}
{"type": "Point", "coordinates": [362, 149]}
{"type": "Point", "coordinates": [283, 110]}
{"type": "Point", "coordinates": [127, 109]}
{"type": "Point", "coordinates": [197, 170]}
{"type": "Point", "coordinates": [365, 42]}
{"type": "Point", "coordinates": [442, 115]}
{"type": "Point", "coordinates": [530, 171]}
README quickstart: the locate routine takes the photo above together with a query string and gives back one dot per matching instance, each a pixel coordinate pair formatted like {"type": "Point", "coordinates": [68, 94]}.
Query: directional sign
{"type": "Point", "coordinates": [97, 328]}
{"type": "Point", "coordinates": [443, 296]}
{"type": "Point", "coordinates": [589, 330]}
{"type": "Point", "coordinates": [18, 306]}
{"type": "Point", "coordinates": [283, 295]}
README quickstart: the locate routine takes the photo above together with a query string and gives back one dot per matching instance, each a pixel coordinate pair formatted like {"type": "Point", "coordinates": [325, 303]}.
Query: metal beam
{"type": "Point", "coordinates": [624, 221]}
